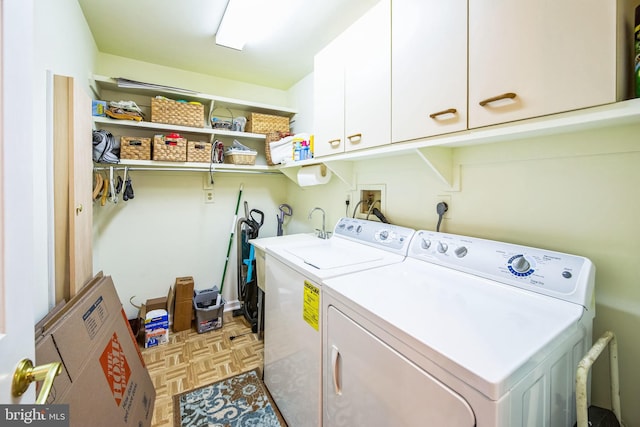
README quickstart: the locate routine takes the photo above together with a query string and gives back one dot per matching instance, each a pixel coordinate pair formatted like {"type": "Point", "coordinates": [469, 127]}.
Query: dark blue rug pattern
{"type": "Point", "coordinates": [239, 401]}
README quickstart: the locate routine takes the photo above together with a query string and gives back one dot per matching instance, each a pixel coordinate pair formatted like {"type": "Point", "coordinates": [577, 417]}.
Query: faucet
{"type": "Point", "coordinates": [323, 234]}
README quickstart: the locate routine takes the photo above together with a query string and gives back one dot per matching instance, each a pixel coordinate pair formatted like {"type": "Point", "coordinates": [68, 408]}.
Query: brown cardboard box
{"type": "Point", "coordinates": [46, 352]}
{"type": "Point", "coordinates": [109, 383]}
{"type": "Point", "coordinates": [183, 306]}
{"type": "Point", "coordinates": [157, 303]}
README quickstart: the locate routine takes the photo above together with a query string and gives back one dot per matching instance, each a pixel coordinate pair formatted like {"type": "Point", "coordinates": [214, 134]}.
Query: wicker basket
{"type": "Point", "coordinates": [240, 157]}
{"type": "Point", "coordinates": [134, 148]}
{"type": "Point", "coordinates": [177, 113]}
{"type": "Point", "coordinates": [198, 151]}
{"type": "Point", "coordinates": [265, 123]}
{"type": "Point", "coordinates": [272, 137]}
{"type": "Point", "coordinates": [169, 149]}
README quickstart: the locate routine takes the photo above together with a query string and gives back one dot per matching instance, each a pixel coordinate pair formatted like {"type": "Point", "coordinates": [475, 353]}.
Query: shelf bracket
{"type": "Point", "coordinates": [440, 160]}
{"type": "Point", "coordinates": [343, 170]}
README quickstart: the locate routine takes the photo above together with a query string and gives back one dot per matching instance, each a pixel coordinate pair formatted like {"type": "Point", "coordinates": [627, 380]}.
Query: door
{"type": "Point", "coordinates": [328, 75]}
{"type": "Point", "coordinates": [73, 179]}
{"type": "Point", "coordinates": [16, 194]}
{"type": "Point", "coordinates": [368, 383]}
{"type": "Point", "coordinates": [528, 59]}
{"type": "Point", "coordinates": [429, 68]}
{"type": "Point", "coordinates": [367, 80]}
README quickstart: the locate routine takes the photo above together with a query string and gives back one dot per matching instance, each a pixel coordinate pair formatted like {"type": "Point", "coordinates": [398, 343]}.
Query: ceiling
{"type": "Point", "coordinates": [180, 34]}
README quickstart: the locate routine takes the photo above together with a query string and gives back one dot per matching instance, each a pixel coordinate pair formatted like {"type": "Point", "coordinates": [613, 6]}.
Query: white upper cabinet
{"type": "Point", "coordinates": [352, 85]}
{"type": "Point", "coordinates": [329, 100]}
{"type": "Point", "coordinates": [533, 58]}
{"type": "Point", "coordinates": [367, 86]}
{"type": "Point", "coordinates": [429, 68]}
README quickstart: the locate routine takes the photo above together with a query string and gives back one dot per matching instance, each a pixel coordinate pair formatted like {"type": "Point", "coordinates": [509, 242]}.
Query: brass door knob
{"type": "Point", "coordinates": [26, 373]}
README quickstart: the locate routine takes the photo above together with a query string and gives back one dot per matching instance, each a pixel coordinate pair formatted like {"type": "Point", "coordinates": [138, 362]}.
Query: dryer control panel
{"type": "Point", "coordinates": [373, 233]}
{"type": "Point", "coordinates": [565, 276]}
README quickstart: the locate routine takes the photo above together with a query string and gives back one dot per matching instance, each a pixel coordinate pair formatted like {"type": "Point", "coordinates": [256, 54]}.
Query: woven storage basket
{"type": "Point", "coordinates": [177, 113]}
{"type": "Point", "coordinates": [265, 123]}
{"type": "Point", "coordinates": [134, 148]}
{"type": "Point", "coordinates": [240, 157]}
{"type": "Point", "coordinates": [198, 151]}
{"type": "Point", "coordinates": [271, 137]}
{"type": "Point", "coordinates": [169, 149]}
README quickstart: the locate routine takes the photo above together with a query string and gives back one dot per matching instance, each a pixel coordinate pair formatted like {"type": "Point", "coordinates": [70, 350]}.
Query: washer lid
{"type": "Point", "coordinates": [322, 257]}
{"type": "Point", "coordinates": [486, 333]}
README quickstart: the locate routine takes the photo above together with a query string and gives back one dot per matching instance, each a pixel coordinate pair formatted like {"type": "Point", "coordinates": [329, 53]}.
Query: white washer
{"type": "Point", "coordinates": [293, 324]}
{"type": "Point", "coordinates": [465, 332]}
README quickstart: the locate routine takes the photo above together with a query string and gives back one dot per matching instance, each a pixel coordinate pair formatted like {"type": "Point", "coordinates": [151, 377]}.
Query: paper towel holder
{"type": "Point", "coordinates": [323, 169]}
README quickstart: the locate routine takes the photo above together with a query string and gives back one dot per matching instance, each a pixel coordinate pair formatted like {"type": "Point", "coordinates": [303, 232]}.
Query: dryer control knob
{"type": "Point", "coordinates": [442, 247]}
{"type": "Point", "coordinates": [520, 264]}
{"type": "Point", "coordinates": [425, 244]}
{"type": "Point", "coordinates": [460, 251]}
{"type": "Point", "coordinates": [384, 235]}
{"type": "Point", "coordinates": [359, 229]}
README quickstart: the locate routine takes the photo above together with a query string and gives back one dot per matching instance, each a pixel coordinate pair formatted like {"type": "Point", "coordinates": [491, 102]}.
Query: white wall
{"type": "Point", "coordinates": [63, 45]}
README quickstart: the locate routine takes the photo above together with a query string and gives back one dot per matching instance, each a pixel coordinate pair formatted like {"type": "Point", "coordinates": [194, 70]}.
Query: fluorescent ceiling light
{"type": "Point", "coordinates": [247, 20]}
{"type": "Point", "coordinates": [233, 29]}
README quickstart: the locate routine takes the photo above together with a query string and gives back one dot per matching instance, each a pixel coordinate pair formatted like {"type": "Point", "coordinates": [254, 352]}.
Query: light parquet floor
{"type": "Point", "coordinates": [190, 360]}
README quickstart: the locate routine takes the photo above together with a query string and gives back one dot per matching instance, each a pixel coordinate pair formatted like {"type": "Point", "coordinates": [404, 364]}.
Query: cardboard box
{"type": "Point", "coordinates": [156, 304]}
{"type": "Point", "coordinates": [46, 350]}
{"type": "Point", "coordinates": [156, 328]}
{"type": "Point", "coordinates": [104, 380]}
{"type": "Point", "coordinates": [183, 305]}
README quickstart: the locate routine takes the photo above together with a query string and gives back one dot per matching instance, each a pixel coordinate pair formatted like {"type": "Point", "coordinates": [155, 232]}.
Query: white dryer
{"type": "Point", "coordinates": [465, 332]}
{"type": "Point", "coordinates": [293, 324]}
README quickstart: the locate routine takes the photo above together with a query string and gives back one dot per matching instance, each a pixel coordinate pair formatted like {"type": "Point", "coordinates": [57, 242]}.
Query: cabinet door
{"type": "Point", "coordinates": [429, 68]}
{"type": "Point", "coordinates": [368, 79]}
{"type": "Point", "coordinates": [329, 100]}
{"type": "Point", "coordinates": [553, 55]}
{"type": "Point", "coordinates": [367, 383]}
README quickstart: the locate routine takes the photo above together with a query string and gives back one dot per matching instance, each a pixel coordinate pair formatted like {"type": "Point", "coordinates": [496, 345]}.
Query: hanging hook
{"type": "Point", "coordinates": [113, 196]}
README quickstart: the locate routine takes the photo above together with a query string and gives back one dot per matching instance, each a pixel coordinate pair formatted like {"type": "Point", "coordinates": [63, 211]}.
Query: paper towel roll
{"type": "Point", "coordinates": [313, 175]}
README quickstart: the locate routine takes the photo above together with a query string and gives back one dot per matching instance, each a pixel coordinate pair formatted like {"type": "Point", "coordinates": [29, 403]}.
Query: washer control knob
{"type": "Point", "coordinates": [442, 247]}
{"type": "Point", "coordinates": [460, 251]}
{"type": "Point", "coordinates": [359, 229]}
{"type": "Point", "coordinates": [520, 264]}
{"type": "Point", "coordinates": [425, 244]}
{"type": "Point", "coordinates": [566, 274]}
{"type": "Point", "coordinates": [384, 235]}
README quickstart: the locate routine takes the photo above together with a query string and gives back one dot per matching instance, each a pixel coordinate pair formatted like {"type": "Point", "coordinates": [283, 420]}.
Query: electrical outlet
{"type": "Point", "coordinates": [206, 182]}
{"type": "Point", "coordinates": [208, 196]}
{"type": "Point", "coordinates": [447, 199]}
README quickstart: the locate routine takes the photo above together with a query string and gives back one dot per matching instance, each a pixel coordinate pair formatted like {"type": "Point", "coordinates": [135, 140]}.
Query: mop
{"type": "Point", "coordinates": [233, 230]}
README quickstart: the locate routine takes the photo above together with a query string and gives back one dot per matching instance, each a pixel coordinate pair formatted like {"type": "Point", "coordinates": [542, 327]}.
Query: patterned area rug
{"type": "Point", "coordinates": [239, 401]}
